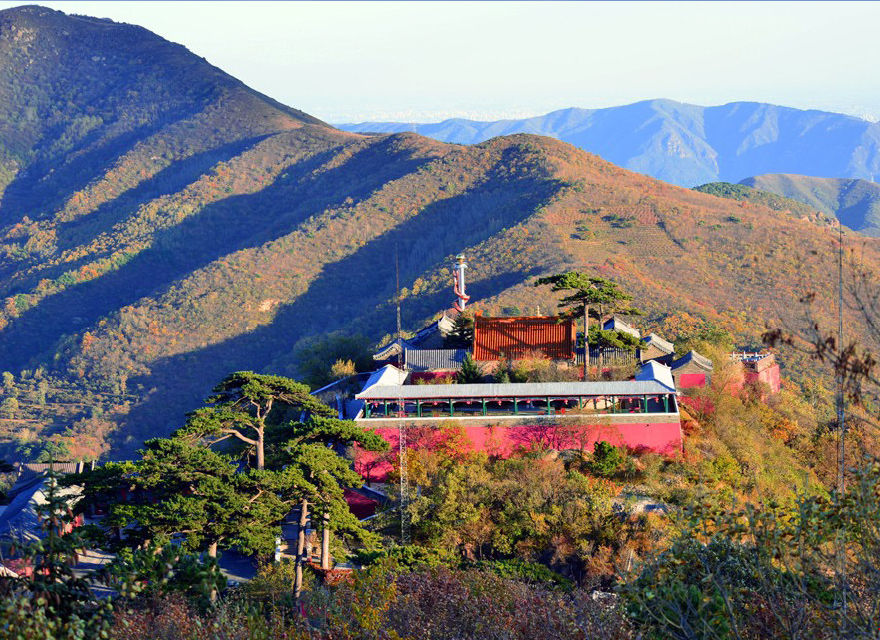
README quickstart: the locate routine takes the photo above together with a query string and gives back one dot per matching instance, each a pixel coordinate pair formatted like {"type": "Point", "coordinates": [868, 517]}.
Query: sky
{"type": "Point", "coordinates": [427, 61]}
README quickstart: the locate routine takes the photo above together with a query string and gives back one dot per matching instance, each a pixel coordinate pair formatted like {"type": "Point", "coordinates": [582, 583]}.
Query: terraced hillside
{"type": "Point", "coordinates": [161, 225]}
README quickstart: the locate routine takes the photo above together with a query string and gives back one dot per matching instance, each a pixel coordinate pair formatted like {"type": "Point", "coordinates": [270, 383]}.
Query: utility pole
{"type": "Point", "coordinates": [841, 373]}
{"type": "Point", "coordinates": [841, 429]}
{"type": "Point", "coordinates": [401, 425]}
{"type": "Point", "coordinates": [586, 342]}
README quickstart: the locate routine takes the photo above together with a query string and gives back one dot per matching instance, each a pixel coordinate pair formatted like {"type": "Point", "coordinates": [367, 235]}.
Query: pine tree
{"type": "Point", "coordinates": [245, 405]}
{"type": "Point", "coordinates": [196, 492]}
{"type": "Point", "coordinates": [461, 336]}
{"type": "Point", "coordinates": [588, 293]}
{"type": "Point", "coordinates": [470, 372]}
{"type": "Point", "coordinates": [310, 449]}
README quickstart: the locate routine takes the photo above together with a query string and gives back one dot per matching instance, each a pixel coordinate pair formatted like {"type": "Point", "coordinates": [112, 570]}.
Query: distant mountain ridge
{"type": "Point", "coordinates": [856, 203]}
{"type": "Point", "coordinates": [688, 144]}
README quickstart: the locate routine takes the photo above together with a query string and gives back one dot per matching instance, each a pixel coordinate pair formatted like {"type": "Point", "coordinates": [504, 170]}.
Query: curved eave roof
{"type": "Point", "coordinates": [653, 340]}
{"type": "Point", "coordinates": [692, 356]}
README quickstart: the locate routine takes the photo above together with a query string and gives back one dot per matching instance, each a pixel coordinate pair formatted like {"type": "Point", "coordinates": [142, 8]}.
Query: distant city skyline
{"type": "Point", "coordinates": [425, 62]}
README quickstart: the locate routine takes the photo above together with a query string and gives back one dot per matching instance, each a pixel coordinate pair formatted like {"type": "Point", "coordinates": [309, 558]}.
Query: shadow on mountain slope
{"type": "Point", "coordinates": [217, 230]}
{"type": "Point", "coordinates": [166, 182]}
{"type": "Point", "coordinates": [365, 280]}
{"type": "Point", "coordinates": [194, 373]}
{"type": "Point", "coordinates": [87, 227]}
{"type": "Point", "coordinates": [47, 183]}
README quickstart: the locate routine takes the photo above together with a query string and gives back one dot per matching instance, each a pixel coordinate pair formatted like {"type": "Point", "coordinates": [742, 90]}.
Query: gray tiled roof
{"type": "Point", "coordinates": [701, 361]}
{"type": "Point", "coordinates": [434, 359]}
{"type": "Point", "coordinates": [652, 339]}
{"type": "Point", "coordinates": [515, 390]}
{"type": "Point", "coordinates": [616, 324]}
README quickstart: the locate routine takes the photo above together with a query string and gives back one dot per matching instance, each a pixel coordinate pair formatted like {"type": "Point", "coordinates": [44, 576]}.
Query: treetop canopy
{"type": "Point", "coordinates": [586, 291]}
{"type": "Point", "coordinates": [244, 388]}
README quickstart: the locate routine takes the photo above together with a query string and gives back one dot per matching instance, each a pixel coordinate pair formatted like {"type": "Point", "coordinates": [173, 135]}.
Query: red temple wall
{"type": "Point", "coordinates": [769, 376]}
{"type": "Point", "coordinates": [658, 437]}
{"type": "Point", "coordinates": [688, 380]}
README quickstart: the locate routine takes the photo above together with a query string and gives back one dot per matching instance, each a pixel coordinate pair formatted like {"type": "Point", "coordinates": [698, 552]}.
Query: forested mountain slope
{"type": "Point", "coordinates": [856, 203]}
{"type": "Point", "coordinates": [162, 225]}
{"type": "Point", "coordinates": [688, 144]}
{"type": "Point", "coordinates": [768, 199]}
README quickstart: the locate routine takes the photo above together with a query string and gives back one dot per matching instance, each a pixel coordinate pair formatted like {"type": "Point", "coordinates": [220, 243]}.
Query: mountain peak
{"type": "Point", "coordinates": [49, 47]}
{"type": "Point", "coordinates": [73, 86]}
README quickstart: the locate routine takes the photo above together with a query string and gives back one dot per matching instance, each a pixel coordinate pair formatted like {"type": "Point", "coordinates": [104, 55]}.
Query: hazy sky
{"type": "Point", "coordinates": [355, 61]}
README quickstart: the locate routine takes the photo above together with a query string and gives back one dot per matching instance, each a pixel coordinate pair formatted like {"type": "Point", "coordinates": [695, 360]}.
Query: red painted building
{"type": "Point", "coordinates": [759, 369]}
{"type": "Point", "coordinates": [640, 414]}
{"type": "Point", "coordinates": [498, 338]}
{"type": "Point", "coordinates": [692, 370]}
{"type": "Point", "coordinates": [762, 369]}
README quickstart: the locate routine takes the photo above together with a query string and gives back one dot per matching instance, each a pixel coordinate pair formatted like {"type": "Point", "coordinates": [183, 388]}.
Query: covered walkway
{"type": "Point", "coordinates": [517, 399]}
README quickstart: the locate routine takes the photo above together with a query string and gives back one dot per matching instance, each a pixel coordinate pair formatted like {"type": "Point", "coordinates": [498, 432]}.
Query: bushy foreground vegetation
{"type": "Point", "coordinates": [749, 572]}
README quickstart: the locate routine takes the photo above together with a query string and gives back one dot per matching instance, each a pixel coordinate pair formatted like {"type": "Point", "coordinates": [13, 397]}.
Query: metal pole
{"type": "Point", "coordinates": [841, 427]}
{"type": "Point", "coordinates": [586, 343]}
{"type": "Point", "coordinates": [401, 427]}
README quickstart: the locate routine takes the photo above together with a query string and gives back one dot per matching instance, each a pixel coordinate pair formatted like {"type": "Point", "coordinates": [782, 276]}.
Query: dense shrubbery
{"type": "Point", "coordinates": [748, 572]}
{"type": "Point", "coordinates": [770, 571]}
{"type": "Point", "coordinates": [530, 508]}
{"type": "Point", "coordinates": [390, 602]}
{"type": "Point", "coordinates": [512, 548]}
{"type": "Point", "coordinates": [418, 557]}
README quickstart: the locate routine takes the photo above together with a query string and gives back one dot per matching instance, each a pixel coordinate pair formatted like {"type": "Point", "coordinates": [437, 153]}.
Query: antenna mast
{"type": "Point", "coordinates": [401, 425]}
{"type": "Point", "coordinates": [841, 424]}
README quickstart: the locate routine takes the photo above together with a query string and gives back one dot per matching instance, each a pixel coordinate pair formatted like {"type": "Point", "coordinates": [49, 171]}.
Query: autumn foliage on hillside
{"type": "Point", "coordinates": [161, 224]}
